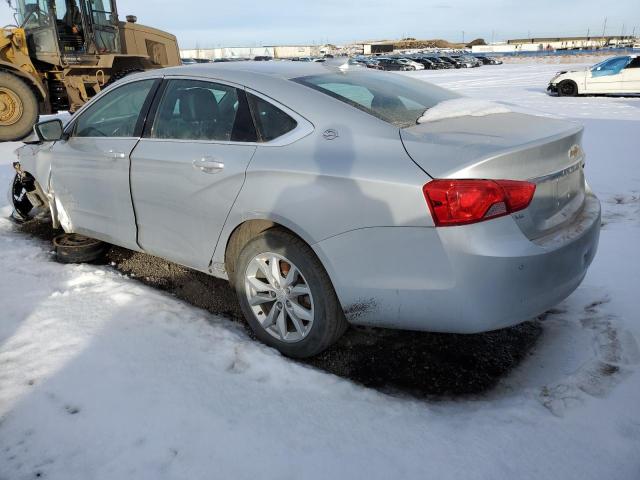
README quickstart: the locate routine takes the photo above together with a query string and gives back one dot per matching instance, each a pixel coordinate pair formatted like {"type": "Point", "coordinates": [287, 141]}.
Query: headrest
{"type": "Point", "coordinates": [198, 104]}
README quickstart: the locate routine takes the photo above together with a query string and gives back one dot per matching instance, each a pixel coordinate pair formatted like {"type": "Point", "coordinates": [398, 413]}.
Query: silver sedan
{"type": "Point", "coordinates": [324, 201]}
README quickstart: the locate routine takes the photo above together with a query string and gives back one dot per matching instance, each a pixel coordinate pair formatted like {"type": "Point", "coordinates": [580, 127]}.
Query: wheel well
{"type": "Point", "coordinates": [570, 80]}
{"type": "Point", "coordinates": [242, 234]}
{"type": "Point", "coordinates": [28, 81]}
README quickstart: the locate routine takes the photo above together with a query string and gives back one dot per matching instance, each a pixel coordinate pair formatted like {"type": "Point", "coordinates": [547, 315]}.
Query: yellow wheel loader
{"type": "Point", "coordinates": [60, 53]}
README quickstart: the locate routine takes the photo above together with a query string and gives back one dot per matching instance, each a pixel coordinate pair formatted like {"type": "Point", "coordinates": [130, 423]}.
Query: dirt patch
{"type": "Point", "coordinates": [420, 364]}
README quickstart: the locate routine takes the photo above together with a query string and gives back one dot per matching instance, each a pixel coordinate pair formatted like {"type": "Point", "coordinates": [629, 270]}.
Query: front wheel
{"type": "Point", "coordinates": [286, 295]}
{"type": "Point", "coordinates": [567, 88]}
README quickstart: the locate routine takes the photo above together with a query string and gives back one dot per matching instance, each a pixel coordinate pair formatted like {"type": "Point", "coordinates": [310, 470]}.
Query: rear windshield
{"type": "Point", "coordinates": [394, 98]}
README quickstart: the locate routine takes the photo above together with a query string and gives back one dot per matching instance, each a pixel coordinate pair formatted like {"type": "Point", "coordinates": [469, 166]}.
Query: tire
{"type": "Point", "coordinates": [120, 75]}
{"type": "Point", "coordinates": [567, 88]}
{"type": "Point", "coordinates": [75, 248]}
{"type": "Point", "coordinates": [328, 322]}
{"type": "Point", "coordinates": [18, 108]}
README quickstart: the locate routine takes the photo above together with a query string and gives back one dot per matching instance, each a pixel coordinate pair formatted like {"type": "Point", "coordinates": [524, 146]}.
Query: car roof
{"type": "Point", "coordinates": [249, 70]}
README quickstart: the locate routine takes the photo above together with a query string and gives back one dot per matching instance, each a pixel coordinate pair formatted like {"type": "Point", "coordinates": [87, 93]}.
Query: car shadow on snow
{"type": "Point", "coordinates": [420, 364]}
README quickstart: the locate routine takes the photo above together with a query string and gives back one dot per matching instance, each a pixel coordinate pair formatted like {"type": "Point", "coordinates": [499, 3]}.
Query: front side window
{"type": "Point", "coordinates": [393, 98]}
{"type": "Point", "coordinates": [199, 110]}
{"type": "Point", "coordinates": [612, 66]}
{"type": "Point", "coordinates": [116, 113]}
{"type": "Point", "coordinates": [635, 63]}
{"type": "Point", "coordinates": [270, 120]}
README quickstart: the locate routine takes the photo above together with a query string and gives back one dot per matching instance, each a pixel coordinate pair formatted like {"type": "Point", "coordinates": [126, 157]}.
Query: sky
{"type": "Point", "coordinates": [199, 23]}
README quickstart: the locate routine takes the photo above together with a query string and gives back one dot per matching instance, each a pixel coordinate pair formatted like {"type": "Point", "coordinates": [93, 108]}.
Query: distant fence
{"type": "Point", "coordinates": [547, 53]}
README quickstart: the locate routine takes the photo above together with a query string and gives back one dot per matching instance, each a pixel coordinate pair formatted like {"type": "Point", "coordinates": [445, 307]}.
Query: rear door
{"type": "Point", "coordinates": [189, 167]}
{"type": "Point", "coordinates": [90, 170]}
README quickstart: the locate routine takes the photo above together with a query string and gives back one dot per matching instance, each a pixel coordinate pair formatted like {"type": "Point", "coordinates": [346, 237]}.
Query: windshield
{"type": "Point", "coordinates": [393, 98]}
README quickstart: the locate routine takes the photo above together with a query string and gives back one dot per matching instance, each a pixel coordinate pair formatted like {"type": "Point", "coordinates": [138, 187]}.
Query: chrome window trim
{"type": "Point", "coordinates": [303, 128]}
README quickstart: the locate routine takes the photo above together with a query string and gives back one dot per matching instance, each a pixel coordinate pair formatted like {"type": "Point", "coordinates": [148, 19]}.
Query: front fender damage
{"type": "Point", "coordinates": [28, 198]}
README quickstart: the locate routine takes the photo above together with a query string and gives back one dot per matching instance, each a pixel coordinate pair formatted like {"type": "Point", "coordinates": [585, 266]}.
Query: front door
{"type": "Point", "coordinates": [605, 77]}
{"type": "Point", "coordinates": [189, 167]}
{"type": "Point", "coordinates": [631, 76]}
{"type": "Point", "coordinates": [90, 170]}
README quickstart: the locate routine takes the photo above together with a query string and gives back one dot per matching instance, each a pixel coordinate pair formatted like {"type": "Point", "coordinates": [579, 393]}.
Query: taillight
{"type": "Point", "coordinates": [460, 202]}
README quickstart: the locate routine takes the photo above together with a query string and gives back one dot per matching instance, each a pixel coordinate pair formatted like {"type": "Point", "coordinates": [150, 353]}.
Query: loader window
{"type": "Point", "coordinates": [105, 26]}
{"type": "Point", "coordinates": [34, 14]}
{"type": "Point", "coordinates": [69, 25]}
{"type": "Point", "coordinates": [116, 113]}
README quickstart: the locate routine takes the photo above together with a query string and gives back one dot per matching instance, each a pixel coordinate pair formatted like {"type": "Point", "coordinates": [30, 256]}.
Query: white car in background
{"type": "Point", "coordinates": [617, 75]}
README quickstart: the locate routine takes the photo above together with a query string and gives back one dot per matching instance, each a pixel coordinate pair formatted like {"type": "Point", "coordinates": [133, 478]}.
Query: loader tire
{"type": "Point", "coordinates": [18, 108]}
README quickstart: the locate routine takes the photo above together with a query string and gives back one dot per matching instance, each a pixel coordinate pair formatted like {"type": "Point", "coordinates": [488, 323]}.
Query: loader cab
{"type": "Point", "coordinates": [63, 31]}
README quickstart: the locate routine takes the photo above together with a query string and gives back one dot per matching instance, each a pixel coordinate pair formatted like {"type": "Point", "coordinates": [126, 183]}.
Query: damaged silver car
{"type": "Point", "coordinates": [315, 191]}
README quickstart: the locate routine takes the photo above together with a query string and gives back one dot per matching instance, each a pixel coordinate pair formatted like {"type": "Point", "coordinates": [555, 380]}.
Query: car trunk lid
{"type": "Point", "coordinates": [511, 146]}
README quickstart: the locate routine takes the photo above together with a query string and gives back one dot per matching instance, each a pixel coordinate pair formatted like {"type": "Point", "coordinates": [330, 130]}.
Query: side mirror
{"type": "Point", "coordinates": [49, 130]}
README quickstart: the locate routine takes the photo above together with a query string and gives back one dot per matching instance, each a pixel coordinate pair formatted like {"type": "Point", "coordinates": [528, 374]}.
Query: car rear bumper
{"type": "Point", "coordinates": [463, 279]}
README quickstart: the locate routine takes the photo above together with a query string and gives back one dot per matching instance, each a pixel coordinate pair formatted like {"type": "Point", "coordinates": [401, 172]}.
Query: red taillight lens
{"type": "Point", "coordinates": [460, 202]}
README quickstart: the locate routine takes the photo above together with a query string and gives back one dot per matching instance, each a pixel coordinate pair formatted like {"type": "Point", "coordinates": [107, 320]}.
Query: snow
{"type": "Point", "coordinates": [462, 107]}
{"type": "Point", "coordinates": [103, 378]}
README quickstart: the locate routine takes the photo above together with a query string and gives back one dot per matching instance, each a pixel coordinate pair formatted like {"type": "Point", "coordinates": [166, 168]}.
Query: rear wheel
{"type": "Point", "coordinates": [18, 108]}
{"type": "Point", "coordinates": [567, 88]}
{"type": "Point", "coordinates": [287, 296]}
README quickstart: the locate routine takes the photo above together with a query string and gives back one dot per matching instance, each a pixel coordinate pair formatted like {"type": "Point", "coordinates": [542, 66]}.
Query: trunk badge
{"type": "Point", "coordinates": [330, 134]}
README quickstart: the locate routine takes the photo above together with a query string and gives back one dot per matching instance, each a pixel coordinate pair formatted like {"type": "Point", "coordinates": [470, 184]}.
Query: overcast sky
{"type": "Point", "coordinates": [267, 22]}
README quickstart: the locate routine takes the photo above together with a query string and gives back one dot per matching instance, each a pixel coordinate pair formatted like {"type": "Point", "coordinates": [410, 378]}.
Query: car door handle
{"type": "Point", "coordinates": [114, 154]}
{"type": "Point", "coordinates": [208, 165]}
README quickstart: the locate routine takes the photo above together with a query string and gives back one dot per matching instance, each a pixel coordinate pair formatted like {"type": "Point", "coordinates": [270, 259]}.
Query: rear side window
{"type": "Point", "coordinates": [116, 113]}
{"type": "Point", "coordinates": [199, 110]}
{"type": "Point", "coordinates": [270, 120]}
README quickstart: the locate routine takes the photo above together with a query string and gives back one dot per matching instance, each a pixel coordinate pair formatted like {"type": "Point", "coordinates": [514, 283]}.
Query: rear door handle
{"type": "Point", "coordinates": [208, 165]}
{"type": "Point", "coordinates": [114, 154]}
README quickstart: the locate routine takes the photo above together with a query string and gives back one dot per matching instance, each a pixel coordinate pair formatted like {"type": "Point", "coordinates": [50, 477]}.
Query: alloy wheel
{"type": "Point", "coordinates": [279, 297]}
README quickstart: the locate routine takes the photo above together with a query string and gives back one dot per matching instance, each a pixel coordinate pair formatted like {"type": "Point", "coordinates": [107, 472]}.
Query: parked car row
{"type": "Point", "coordinates": [425, 61]}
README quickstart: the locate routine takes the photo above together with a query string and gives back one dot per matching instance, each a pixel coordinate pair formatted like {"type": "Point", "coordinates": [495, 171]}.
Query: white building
{"type": "Point", "coordinates": [275, 51]}
{"type": "Point", "coordinates": [227, 52]}
{"type": "Point", "coordinates": [553, 43]}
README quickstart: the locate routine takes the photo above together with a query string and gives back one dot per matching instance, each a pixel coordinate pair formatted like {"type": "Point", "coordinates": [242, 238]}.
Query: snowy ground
{"type": "Point", "coordinates": [104, 378]}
